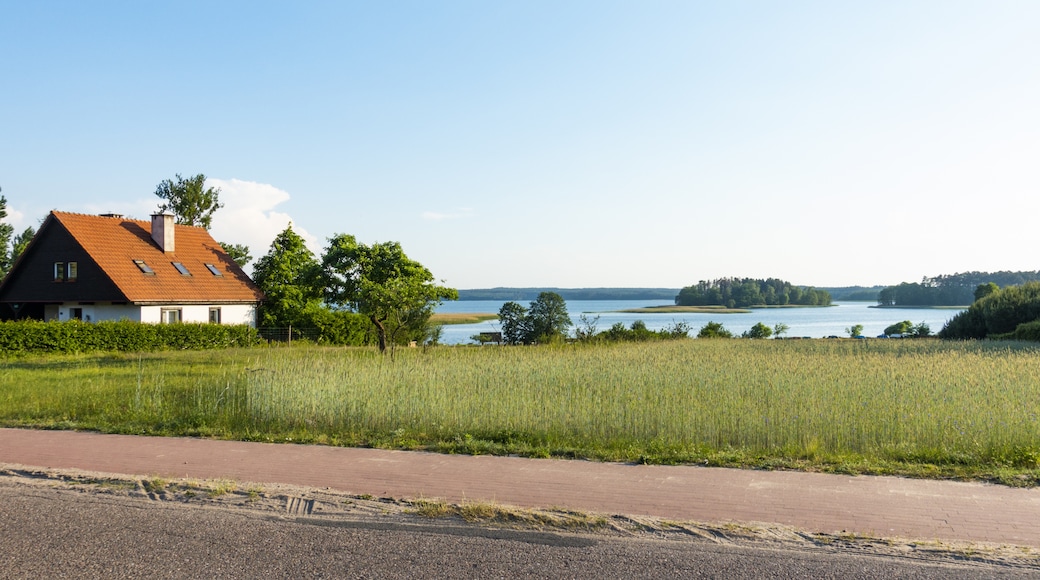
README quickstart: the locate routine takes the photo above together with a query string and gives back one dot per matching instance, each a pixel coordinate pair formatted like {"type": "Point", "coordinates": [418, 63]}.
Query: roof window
{"type": "Point", "coordinates": [213, 270]}
{"type": "Point", "coordinates": [144, 267]}
{"type": "Point", "coordinates": [180, 268]}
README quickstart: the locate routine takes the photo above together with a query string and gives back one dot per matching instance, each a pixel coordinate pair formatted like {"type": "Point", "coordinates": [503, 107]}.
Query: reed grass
{"type": "Point", "coordinates": [925, 407]}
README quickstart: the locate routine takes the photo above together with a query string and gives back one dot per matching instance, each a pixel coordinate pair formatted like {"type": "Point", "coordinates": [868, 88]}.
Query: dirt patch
{"type": "Point", "coordinates": [327, 506]}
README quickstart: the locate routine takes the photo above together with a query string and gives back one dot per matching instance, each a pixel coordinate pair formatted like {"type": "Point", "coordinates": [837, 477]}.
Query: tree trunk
{"type": "Point", "coordinates": [381, 329]}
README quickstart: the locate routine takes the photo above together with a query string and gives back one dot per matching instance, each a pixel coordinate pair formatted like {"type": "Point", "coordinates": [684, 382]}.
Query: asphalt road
{"type": "Point", "coordinates": [63, 533]}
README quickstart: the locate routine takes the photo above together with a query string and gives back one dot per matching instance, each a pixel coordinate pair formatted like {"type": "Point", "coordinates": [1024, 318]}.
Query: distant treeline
{"type": "Point", "coordinates": [517, 294]}
{"type": "Point", "coordinates": [951, 289]}
{"type": "Point", "coordinates": [853, 293]}
{"type": "Point", "coordinates": [744, 292]}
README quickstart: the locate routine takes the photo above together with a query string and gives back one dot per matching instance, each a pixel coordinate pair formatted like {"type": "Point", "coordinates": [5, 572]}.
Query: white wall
{"type": "Point", "coordinates": [237, 314]}
{"type": "Point", "coordinates": [115, 312]}
{"type": "Point", "coordinates": [229, 313]}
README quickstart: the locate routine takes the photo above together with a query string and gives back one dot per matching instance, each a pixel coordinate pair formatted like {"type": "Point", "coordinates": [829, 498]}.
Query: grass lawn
{"type": "Point", "coordinates": [924, 408]}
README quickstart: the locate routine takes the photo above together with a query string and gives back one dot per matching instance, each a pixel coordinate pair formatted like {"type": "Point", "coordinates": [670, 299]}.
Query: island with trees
{"type": "Point", "coordinates": [750, 292]}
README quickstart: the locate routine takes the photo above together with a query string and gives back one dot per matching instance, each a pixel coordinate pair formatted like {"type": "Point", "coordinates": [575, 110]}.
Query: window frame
{"type": "Point", "coordinates": [180, 267]}
{"type": "Point", "coordinates": [144, 268]}
{"type": "Point", "coordinates": [59, 271]}
{"type": "Point", "coordinates": [164, 314]}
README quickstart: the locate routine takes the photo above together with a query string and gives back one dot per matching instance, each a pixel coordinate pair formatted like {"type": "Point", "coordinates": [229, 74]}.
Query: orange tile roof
{"type": "Point", "coordinates": [114, 243]}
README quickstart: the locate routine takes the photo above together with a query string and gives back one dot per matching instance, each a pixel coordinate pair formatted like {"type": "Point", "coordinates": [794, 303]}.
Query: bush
{"type": "Point", "coordinates": [714, 330]}
{"type": "Point", "coordinates": [758, 331]}
{"type": "Point", "coordinates": [997, 314]}
{"type": "Point", "coordinates": [1024, 331]}
{"type": "Point", "coordinates": [340, 328]}
{"type": "Point", "coordinates": [31, 336]}
{"type": "Point", "coordinates": [902, 328]}
{"type": "Point", "coordinates": [637, 332]}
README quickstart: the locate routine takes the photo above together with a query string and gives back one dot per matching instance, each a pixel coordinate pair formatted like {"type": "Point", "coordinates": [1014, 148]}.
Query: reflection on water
{"type": "Point", "coordinates": [810, 322]}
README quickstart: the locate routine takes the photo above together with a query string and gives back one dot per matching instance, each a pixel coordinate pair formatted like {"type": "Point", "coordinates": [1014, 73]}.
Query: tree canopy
{"type": "Point", "coordinates": [290, 277]}
{"type": "Point", "coordinates": [758, 331]}
{"type": "Point", "coordinates": [714, 330]}
{"type": "Point", "coordinates": [237, 252]}
{"type": "Point", "coordinates": [545, 321]}
{"type": "Point", "coordinates": [382, 283]}
{"type": "Point", "coordinates": [189, 200]}
{"type": "Point", "coordinates": [1000, 314]}
{"type": "Point", "coordinates": [744, 292]}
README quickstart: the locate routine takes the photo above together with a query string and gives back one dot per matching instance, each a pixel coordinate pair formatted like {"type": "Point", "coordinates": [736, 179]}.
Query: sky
{"type": "Point", "coordinates": [549, 143]}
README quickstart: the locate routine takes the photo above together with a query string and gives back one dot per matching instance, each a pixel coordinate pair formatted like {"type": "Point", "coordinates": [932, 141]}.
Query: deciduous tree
{"type": "Point", "coordinates": [549, 318]}
{"type": "Point", "coordinates": [759, 330]}
{"type": "Point", "coordinates": [900, 328]}
{"type": "Point", "coordinates": [189, 200]}
{"type": "Point", "coordinates": [515, 325]}
{"type": "Point", "coordinates": [714, 330]}
{"type": "Point", "coordinates": [984, 290]}
{"type": "Point", "coordinates": [290, 278]}
{"type": "Point", "coordinates": [546, 320]}
{"type": "Point", "coordinates": [382, 283]}
{"type": "Point", "coordinates": [237, 252]}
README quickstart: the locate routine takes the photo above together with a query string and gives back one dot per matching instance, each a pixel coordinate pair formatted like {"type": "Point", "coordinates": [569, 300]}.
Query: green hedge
{"type": "Point", "coordinates": [1024, 331]}
{"type": "Point", "coordinates": [30, 336]}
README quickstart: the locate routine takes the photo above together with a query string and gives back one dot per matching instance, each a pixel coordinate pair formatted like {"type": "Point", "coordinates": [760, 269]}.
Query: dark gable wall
{"type": "Point", "coordinates": [33, 278]}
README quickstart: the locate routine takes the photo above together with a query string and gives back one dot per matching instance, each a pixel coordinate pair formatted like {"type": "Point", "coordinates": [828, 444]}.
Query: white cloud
{"type": "Point", "coordinates": [248, 215]}
{"type": "Point", "coordinates": [15, 219]}
{"type": "Point", "coordinates": [460, 213]}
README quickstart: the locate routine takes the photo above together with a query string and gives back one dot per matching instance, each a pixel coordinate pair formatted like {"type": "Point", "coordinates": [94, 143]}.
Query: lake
{"type": "Point", "coordinates": [810, 322]}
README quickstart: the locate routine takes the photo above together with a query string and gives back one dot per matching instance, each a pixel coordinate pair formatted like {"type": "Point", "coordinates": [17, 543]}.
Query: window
{"type": "Point", "coordinates": [76, 313]}
{"type": "Point", "coordinates": [214, 315]}
{"type": "Point", "coordinates": [144, 267]}
{"type": "Point", "coordinates": [171, 315]}
{"type": "Point", "coordinates": [59, 271]}
{"type": "Point", "coordinates": [180, 268]}
{"type": "Point", "coordinates": [72, 268]}
{"type": "Point", "coordinates": [213, 270]}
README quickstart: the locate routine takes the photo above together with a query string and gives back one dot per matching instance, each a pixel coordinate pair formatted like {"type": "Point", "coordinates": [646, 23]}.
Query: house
{"type": "Point", "coordinates": [106, 267]}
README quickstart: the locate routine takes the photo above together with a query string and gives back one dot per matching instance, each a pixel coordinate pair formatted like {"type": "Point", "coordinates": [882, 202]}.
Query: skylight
{"type": "Point", "coordinates": [180, 268]}
{"type": "Point", "coordinates": [213, 270]}
{"type": "Point", "coordinates": [144, 267]}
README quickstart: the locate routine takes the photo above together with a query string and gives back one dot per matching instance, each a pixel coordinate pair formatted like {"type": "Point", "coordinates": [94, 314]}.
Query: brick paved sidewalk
{"type": "Point", "coordinates": [876, 506]}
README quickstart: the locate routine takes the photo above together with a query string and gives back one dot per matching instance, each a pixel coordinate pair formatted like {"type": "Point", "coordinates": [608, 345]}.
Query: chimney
{"type": "Point", "coordinates": [162, 231]}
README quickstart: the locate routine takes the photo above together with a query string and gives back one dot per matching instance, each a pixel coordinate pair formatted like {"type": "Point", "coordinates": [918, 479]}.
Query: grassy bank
{"type": "Point", "coordinates": [462, 317]}
{"type": "Point", "coordinates": [920, 408]}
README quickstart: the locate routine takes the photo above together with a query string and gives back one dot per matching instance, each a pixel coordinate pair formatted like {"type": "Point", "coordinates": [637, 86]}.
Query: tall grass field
{"type": "Point", "coordinates": [921, 408]}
